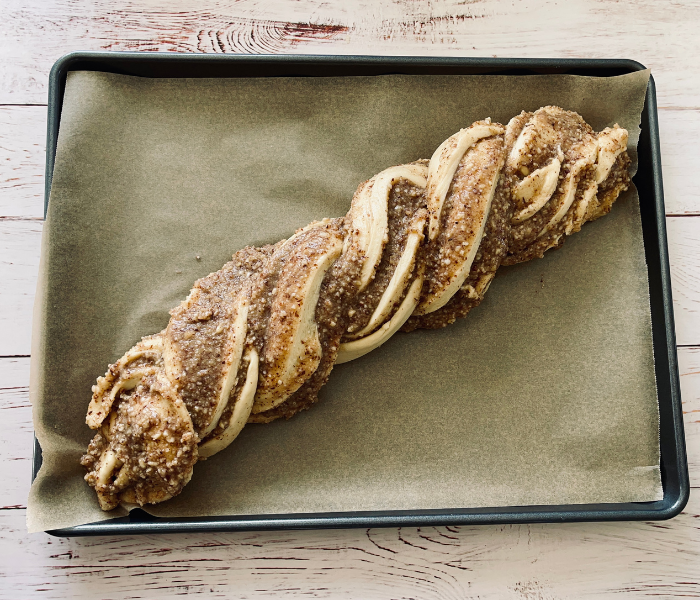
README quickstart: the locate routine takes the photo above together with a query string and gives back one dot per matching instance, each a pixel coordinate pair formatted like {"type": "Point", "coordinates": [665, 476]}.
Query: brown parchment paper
{"type": "Point", "coordinates": [545, 394]}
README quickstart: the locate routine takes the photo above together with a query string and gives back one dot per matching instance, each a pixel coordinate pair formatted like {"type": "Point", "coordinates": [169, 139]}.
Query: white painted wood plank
{"type": "Point", "coordinates": [543, 561]}
{"type": "Point", "coordinates": [19, 264]}
{"type": "Point", "coordinates": [17, 439]}
{"type": "Point", "coordinates": [535, 562]}
{"type": "Point", "coordinates": [678, 130]}
{"type": "Point", "coordinates": [684, 256]}
{"type": "Point", "coordinates": [661, 35]}
{"type": "Point", "coordinates": [575, 560]}
{"type": "Point", "coordinates": [22, 159]}
{"type": "Point", "coordinates": [689, 368]}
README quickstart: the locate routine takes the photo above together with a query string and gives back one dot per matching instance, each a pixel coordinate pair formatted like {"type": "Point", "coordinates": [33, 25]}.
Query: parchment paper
{"type": "Point", "coordinates": [545, 394]}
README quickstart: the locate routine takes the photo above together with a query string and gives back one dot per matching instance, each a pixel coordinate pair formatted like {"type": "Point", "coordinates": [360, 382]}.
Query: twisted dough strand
{"type": "Point", "coordinates": [256, 340]}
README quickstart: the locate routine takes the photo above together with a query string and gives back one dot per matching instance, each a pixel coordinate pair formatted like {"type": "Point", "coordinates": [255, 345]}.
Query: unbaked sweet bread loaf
{"type": "Point", "coordinates": [419, 247]}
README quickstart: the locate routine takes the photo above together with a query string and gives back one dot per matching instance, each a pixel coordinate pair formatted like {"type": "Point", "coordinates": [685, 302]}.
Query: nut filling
{"type": "Point", "coordinates": [419, 247]}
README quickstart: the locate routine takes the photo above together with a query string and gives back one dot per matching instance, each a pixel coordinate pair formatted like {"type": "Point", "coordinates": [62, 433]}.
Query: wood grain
{"type": "Point", "coordinates": [22, 159]}
{"type": "Point", "coordinates": [33, 35]}
{"type": "Point", "coordinates": [684, 256]}
{"type": "Point", "coordinates": [16, 419]}
{"type": "Point", "coordinates": [689, 368]}
{"type": "Point", "coordinates": [575, 560]}
{"type": "Point", "coordinates": [536, 562]}
{"type": "Point", "coordinates": [639, 559]}
{"type": "Point", "coordinates": [677, 131]}
{"type": "Point", "coordinates": [19, 264]}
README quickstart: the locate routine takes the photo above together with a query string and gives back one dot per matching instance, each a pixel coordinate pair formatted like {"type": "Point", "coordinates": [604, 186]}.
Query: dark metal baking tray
{"type": "Point", "coordinates": [674, 467]}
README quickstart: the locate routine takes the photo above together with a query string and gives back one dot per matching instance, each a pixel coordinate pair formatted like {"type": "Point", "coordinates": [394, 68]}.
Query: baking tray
{"type": "Point", "coordinates": [674, 468]}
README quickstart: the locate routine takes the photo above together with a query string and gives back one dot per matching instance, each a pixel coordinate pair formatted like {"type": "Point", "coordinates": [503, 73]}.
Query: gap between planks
{"type": "Point", "coordinates": [34, 34]}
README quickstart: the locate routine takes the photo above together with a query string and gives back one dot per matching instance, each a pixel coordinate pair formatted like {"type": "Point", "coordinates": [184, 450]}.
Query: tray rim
{"type": "Point", "coordinates": [674, 468]}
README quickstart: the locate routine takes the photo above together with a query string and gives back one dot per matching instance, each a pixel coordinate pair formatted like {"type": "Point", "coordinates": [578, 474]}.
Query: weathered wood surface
{"type": "Point", "coordinates": [19, 263]}
{"type": "Point", "coordinates": [684, 256]}
{"type": "Point", "coordinates": [689, 367]}
{"type": "Point", "coordinates": [22, 158]}
{"type": "Point", "coordinates": [526, 562]}
{"type": "Point", "coordinates": [661, 35]}
{"type": "Point", "coordinates": [18, 432]}
{"type": "Point", "coordinates": [636, 560]}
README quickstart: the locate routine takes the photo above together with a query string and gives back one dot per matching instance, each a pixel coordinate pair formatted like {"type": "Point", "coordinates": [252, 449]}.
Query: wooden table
{"type": "Point", "coordinates": [660, 559]}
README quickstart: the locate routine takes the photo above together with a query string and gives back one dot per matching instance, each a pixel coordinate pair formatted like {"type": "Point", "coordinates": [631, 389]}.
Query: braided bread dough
{"type": "Point", "coordinates": [419, 247]}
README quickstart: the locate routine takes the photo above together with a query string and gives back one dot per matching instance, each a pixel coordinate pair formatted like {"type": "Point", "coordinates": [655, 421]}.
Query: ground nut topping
{"type": "Point", "coordinates": [404, 201]}
{"type": "Point", "coordinates": [465, 213]}
{"type": "Point", "coordinates": [293, 349]}
{"type": "Point", "coordinates": [419, 247]}
{"type": "Point", "coordinates": [205, 338]}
